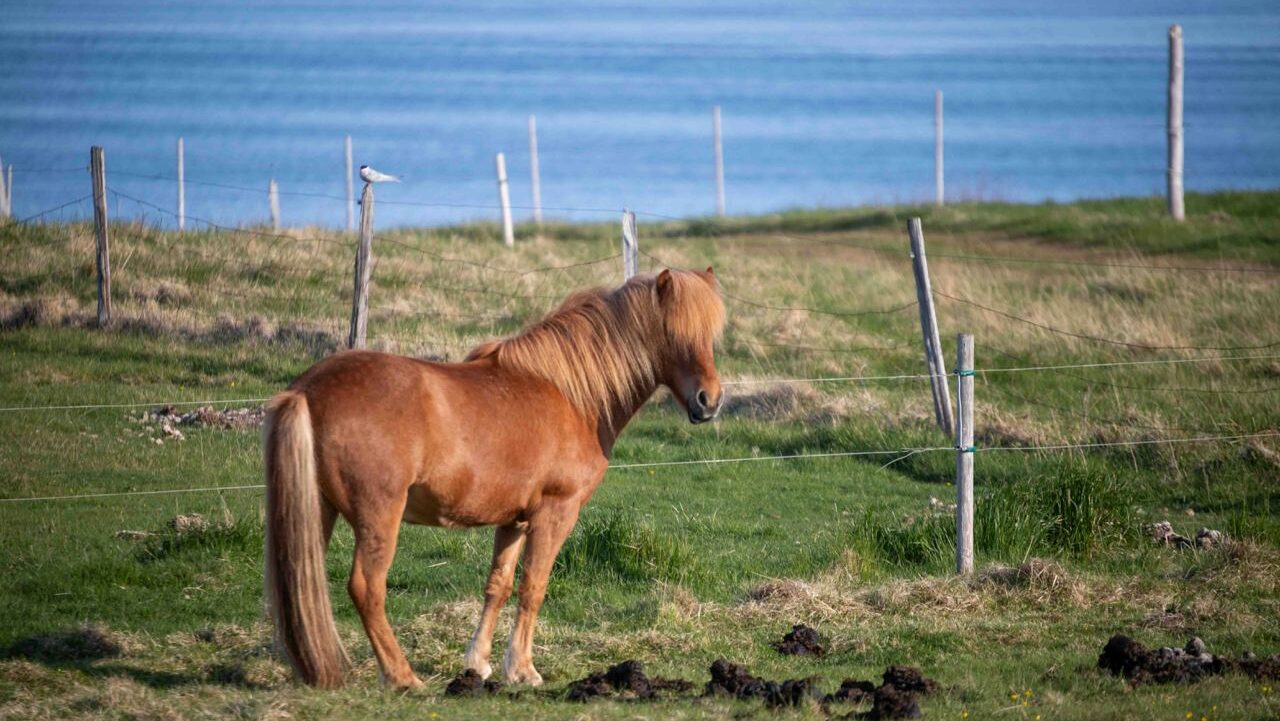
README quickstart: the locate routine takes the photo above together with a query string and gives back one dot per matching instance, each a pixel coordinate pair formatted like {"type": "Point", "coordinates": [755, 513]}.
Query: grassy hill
{"type": "Point", "coordinates": [676, 565]}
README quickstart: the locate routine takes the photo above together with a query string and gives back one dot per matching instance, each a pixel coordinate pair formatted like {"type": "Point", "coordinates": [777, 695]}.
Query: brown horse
{"type": "Point", "coordinates": [517, 436]}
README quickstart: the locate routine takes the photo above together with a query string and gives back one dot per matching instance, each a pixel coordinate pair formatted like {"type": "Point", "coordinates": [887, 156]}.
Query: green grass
{"type": "Point", "coordinates": [673, 565]}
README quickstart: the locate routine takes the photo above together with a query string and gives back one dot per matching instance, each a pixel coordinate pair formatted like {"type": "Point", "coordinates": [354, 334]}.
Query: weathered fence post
{"type": "Point", "coordinates": [364, 256]}
{"type": "Point", "coordinates": [937, 148]}
{"type": "Point", "coordinates": [351, 195]}
{"type": "Point", "coordinates": [929, 329]}
{"type": "Point", "coordinates": [719, 158]}
{"type": "Point", "coordinates": [98, 171]}
{"type": "Point", "coordinates": [964, 454]}
{"type": "Point", "coordinates": [504, 199]}
{"type": "Point", "coordinates": [1176, 208]}
{"type": "Point", "coordinates": [536, 182]}
{"type": "Point", "coordinates": [5, 210]}
{"type": "Point", "coordinates": [630, 246]}
{"type": "Point", "coordinates": [182, 191]}
{"type": "Point", "coordinates": [273, 201]}
{"type": "Point", "coordinates": [8, 191]}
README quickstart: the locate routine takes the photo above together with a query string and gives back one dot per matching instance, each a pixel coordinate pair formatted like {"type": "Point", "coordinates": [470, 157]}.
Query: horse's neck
{"type": "Point", "coordinates": [608, 431]}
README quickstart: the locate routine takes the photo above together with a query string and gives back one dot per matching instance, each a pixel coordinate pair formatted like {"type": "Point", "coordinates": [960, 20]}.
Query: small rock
{"type": "Point", "coordinates": [1190, 512]}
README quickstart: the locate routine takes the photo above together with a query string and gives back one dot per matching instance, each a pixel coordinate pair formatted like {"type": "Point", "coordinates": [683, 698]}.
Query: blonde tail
{"type": "Point", "coordinates": [297, 589]}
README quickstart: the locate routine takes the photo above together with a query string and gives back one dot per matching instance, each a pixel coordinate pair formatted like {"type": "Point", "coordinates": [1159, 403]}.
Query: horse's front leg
{"type": "Point", "coordinates": [547, 530]}
{"type": "Point", "coordinates": [507, 542]}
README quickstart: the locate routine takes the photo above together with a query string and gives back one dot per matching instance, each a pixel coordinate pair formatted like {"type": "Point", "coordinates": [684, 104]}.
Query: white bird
{"type": "Point", "coordinates": [369, 175]}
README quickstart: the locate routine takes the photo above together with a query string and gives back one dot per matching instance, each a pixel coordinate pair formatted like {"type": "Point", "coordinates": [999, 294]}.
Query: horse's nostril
{"type": "Point", "coordinates": [702, 399]}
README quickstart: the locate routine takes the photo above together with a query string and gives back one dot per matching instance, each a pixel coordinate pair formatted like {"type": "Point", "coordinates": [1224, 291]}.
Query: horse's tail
{"type": "Point", "coordinates": [297, 589]}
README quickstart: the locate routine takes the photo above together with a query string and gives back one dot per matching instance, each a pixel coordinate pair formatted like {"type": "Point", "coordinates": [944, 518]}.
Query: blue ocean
{"type": "Point", "coordinates": [824, 103]}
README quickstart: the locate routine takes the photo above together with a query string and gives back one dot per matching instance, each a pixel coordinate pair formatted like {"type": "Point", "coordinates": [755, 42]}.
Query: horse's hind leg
{"type": "Point", "coordinates": [375, 548]}
{"type": "Point", "coordinates": [507, 541]}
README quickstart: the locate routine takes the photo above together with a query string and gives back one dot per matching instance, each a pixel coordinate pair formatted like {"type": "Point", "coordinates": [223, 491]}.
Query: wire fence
{"type": "Point", "coordinates": [537, 303]}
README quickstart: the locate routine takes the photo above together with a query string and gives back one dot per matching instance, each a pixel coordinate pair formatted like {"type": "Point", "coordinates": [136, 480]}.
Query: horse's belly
{"type": "Point", "coordinates": [467, 510]}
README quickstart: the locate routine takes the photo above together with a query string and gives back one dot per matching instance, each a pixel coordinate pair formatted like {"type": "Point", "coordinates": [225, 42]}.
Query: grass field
{"type": "Point", "coordinates": [676, 565]}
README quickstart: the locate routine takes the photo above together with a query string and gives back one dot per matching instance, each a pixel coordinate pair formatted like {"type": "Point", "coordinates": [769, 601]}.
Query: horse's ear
{"type": "Point", "coordinates": [663, 283]}
{"type": "Point", "coordinates": [711, 271]}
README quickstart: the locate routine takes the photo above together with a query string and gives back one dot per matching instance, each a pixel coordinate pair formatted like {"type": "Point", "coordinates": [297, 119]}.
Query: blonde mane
{"type": "Point", "coordinates": [603, 348]}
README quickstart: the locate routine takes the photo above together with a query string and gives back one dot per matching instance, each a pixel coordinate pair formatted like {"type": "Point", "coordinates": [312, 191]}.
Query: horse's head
{"type": "Point", "coordinates": [692, 319]}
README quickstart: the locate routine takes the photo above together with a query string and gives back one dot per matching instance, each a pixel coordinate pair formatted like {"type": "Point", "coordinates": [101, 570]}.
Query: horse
{"type": "Point", "coordinates": [518, 435]}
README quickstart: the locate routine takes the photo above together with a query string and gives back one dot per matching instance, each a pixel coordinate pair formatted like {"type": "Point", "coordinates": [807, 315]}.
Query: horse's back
{"type": "Point", "coordinates": [476, 444]}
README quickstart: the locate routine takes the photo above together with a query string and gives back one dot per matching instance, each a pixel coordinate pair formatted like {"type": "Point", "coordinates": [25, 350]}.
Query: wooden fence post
{"type": "Point", "coordinates": [351, 195]}
{"type": "Point", "coordinates": [630, 246]}
{"type": "Point", "coordinates": [504, 199]}
{"type": "Point", "coordinates": [1176, 208]}
{"type": "Point", "coordinates": [364, 257]}
{"type": "Point", "coordinates": [98, 171]}
{"type": "Point", "coordinates": [929, 329]}
{"type": "Point", "coordinates": [964, 454]}
{"type": "Point", "coordinates": [937, 148]}
{"type": "Point", "coordinates": [719, 158]}
{"type": "Point", "coordinates": [6, 191]}
{"type": "Point", "coordinates": [273, 201]}
{"type": "Point", "coordinates": [536, 181]}
{"type": "Point", "coordinates": [182, 191]}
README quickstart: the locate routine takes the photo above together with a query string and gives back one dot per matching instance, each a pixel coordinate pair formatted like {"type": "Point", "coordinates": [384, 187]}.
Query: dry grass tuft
{"type": "Point", "coordinates": [39, 312]}
{"type": "Point", "coordinates": [788, 599]}
{"type": "Point", "coordinates": [948, 595]}
{"type": "Point", "coordinates": [125, 698]}
{"type": "Point", "coordinates": [1039, 580]}
{"type": "Point", "coordinates": [677, 603]}
{"type": "Point", "coordinates": [161, 292]}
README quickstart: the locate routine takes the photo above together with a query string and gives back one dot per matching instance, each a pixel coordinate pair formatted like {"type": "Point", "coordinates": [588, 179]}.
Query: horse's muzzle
{"type": "Point", "coordinates": [700, 409]}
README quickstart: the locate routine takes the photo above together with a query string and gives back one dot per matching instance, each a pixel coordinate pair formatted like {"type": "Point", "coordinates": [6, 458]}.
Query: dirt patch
{"type": "Point", "coordinates": [87, 643]}
{"type": "Point", "coordinates": [801, 640]}
{"type": "Point", "coordinates": [626, 680]}
{"type": "Point", "coordinates": [1124, 656]}
{"type": "Point", "coordinates": [469, 683]}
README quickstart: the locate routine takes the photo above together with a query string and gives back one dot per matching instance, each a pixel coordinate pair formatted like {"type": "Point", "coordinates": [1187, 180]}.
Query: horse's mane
{"type": "Point", "coordinates": [602, 346]}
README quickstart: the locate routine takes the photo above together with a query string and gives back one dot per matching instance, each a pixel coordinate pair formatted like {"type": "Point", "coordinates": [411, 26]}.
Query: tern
{"type": "Point", "coordinates": [369, 175]}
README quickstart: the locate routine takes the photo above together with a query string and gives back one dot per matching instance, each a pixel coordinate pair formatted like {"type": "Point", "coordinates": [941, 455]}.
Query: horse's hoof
{"type": "Point", "coordinates": [409, 684]}
{"type": "Point", "coordinates": [528, 676]}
